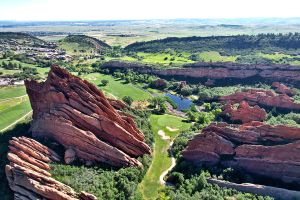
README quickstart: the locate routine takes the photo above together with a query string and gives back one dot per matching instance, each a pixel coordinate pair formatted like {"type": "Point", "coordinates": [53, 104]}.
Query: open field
{"type": "Point", "coordinates": [161, 160]}
{"type": "Point", "coordinates": [164, 58]}
{"type": "Point", "coordinates": [116, 87]}
{"type": "Point", "coordinates": [75, 49]}
{"type": "Point", "coordinates": [214, 56]}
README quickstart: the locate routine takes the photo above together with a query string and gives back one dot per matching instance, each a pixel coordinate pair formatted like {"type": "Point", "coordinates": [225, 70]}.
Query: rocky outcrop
{"type": "Point", "coordinates": [244, 113]}
{"type": "Point", "coordinates": [254, 148]}
{"type": "Point", "coordinates": [28, 176]}
{"type": "Point", "coordinates": [77, 115]}
{"type": "Point", "coordinates": [263, 98]}
{"type": "Point", "coordinates": [220, 73]}
{"type": "Point", "coordinates": [276, 193]}
{"type": "Point", "coordinates": [283, 89]}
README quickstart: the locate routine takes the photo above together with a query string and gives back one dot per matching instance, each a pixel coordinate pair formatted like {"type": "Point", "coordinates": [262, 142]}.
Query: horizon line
{"type": "Point", "coordinates": [148, 19]}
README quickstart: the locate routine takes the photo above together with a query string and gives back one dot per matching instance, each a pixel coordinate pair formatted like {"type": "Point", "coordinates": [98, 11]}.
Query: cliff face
{"type": "Point", "coordinates": [28, 175]}
{"type": "Point", "coordinates": [221, 73]}
{"type": "Point", "coordinates": [264, 98]}
{"type": "Point", "coordinates": [256, 148]}
{"type": "Point", "coordinates": [77, 115]}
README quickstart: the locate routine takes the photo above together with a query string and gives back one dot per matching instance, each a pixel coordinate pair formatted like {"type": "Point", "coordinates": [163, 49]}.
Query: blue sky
{"type": "Point", "coordinates": [43, 10]}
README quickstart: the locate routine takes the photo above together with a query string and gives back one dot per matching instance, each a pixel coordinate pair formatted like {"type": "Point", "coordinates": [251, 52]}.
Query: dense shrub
{"type": "Point", "coordinates": [196, 187]}
{"type": "Point", "coordinates": [290, 119]}
{"type": "Point", "coordinates": [103, 183]}
{"type": "Point", "coordinates": [238, 44]}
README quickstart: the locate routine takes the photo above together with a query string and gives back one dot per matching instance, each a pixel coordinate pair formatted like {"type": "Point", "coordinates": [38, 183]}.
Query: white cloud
{"type": "Point", "coordinates": [148, 9]}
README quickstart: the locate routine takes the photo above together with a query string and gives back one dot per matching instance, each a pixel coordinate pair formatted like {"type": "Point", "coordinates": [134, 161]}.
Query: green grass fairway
{"type": "Point", "coordinates": [12, 114]}
{"type": "Point", "coordinates": [6, 104]}
{"type": "Point", "coordinates": [12, 91]}
{"type": "Point", "coordinates": [213, 56]}
{"type": "Point", "coordinates": [161, 160]}
{"type": "Point", "coordinates": [116, 87]}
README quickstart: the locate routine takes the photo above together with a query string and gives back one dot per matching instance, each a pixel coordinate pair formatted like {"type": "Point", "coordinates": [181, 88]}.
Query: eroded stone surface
{"type": "Point", "coordinates": [77, 115]}
{"type": "Point", "coordinates": [244, 113]}
{"type": "Point", "coordinates": [256, 148]}
{"type": "Point", "coordinates": [283, 89]}
{"type": "Point", "coordinates": [220, 73]}
{"type": "Point", "coordinates": [28, 176]}
{"type": "Point", "coordinates": [264, 98]}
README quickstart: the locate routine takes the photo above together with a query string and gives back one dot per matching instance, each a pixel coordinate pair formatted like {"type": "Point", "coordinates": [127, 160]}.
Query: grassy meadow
{"type": "Point", "coordinates": [117, 88]}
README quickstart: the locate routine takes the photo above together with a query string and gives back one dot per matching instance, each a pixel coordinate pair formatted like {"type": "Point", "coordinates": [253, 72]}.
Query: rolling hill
{"type": "Point", "coordinates": [75, 44]}
{"type": "Point", "coordinates": [14, 38]}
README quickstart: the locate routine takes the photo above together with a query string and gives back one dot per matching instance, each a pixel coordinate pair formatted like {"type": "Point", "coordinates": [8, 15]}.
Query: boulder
{"type": "Point", "coordinates": [28, 176]}
{"type": "Point", "coordinates": [283, 89]}
{"type": "Point", "coordinates": [77, 115]}
{"type": "Point", "coordinates": [70, 156]}
{"type": "Point", "coordinates": [244, 113]}
{"type": "Point", "coordinates": [263, 98]}
{"type": "Point", "coordinates": [254, 148]}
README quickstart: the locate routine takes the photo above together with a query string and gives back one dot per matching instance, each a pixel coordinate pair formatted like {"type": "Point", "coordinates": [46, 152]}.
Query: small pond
{"type": "Point", "coordinates": [182, 103]}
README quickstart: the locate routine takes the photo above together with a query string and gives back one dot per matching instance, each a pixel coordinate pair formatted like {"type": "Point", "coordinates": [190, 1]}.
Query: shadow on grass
{"type": "Point", "coordinates": [19, 130]}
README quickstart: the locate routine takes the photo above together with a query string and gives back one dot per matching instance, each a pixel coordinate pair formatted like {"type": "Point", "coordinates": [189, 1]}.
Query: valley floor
{"type": "Point", "coordinates": [171, 126]}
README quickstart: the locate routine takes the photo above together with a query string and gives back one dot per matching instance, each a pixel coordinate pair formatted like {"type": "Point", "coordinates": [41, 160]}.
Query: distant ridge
{"type": "Point", "coordinates": [21, 37]}
{"type": "Point", "coordinates": [86, 41]}
{"type": "Point", "coordinates": [278, 42]}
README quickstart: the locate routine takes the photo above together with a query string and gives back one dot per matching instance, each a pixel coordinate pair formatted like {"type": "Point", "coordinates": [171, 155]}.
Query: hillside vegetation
{"type": "Point", "coordinates": [224, 44]}
{"type": "Point", "coordinates": [83, 44]}
{"type": "Point", "coordinates": [20, 38]}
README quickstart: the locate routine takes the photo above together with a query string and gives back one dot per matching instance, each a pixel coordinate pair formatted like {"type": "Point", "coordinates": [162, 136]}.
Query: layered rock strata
{"type": "Point", "coordinates": [77, 115]}
{"type": "Point", "coordinates": [28, 176]}
{"type": "Point", "coordinates": [221, 73]}
{"type": "Point", "coordinates": [263, 98]}
{"type": "Point", "coordinates": [255, 148]}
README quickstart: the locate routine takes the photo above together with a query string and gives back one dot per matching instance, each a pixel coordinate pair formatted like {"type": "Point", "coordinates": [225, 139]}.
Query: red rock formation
{"type": "Point", "coordinates": [222, 73]}
{"type": "Point", "coordinates": [263, 98]}
{"type": "Point", "coordinates": [283, 89]}
{"type": "Point", "coordinates": [77, 115]}
{"type": "Point", "coordinates": [256, 148]}
{"type": "Point", "coordinates": [244, 113]}
{"type": "Point", "coordinates": [28, 175]}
